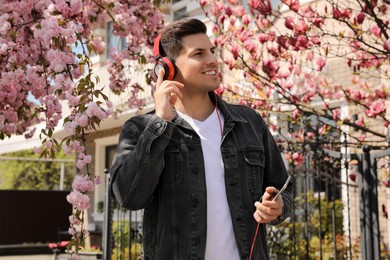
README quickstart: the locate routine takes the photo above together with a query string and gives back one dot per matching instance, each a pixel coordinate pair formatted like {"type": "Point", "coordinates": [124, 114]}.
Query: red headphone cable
{"type": "Point", "coordinates": [219, 117]}
{"type": "Point", "coordinates": [254, 240]}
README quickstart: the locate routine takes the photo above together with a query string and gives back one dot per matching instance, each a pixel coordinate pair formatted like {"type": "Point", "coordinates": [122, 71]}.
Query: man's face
{"type": "Point", "coordinates": [197, 64]}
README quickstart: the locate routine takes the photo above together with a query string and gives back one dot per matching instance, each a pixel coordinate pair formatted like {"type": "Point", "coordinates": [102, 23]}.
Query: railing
{"type": "Point", "coordinates": [122, 237]}
{"type": "Point", "coordinates": [335, 216]}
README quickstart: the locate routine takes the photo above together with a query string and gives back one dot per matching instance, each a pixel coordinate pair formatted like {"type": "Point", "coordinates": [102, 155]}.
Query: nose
{"type": "Point", "coordinates": [213, 59]}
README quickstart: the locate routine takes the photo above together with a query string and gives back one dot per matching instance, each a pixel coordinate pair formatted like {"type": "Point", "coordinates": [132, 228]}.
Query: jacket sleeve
{"type": "Point", "coordinates": [139, 161]}
{"type": "Point", "coordinates": [276, 173]}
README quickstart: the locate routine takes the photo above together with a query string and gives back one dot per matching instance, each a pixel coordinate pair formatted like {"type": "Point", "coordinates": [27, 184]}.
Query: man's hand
{"type": "Point", "coordinates": [268, 209]}
{"type": "Point", "coordinates": [165, 96]}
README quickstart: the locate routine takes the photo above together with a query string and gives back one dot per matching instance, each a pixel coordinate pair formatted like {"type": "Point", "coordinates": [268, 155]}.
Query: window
{"type": "Point", "coordinates": [179, 14]}
{"type": "Point", "coordinates": [110, 153]}
{"type": "Point", "coordinates": [114, 41]}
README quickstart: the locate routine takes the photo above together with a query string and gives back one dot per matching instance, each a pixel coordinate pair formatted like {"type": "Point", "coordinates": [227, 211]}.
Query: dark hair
{"type": "Point", "coordinates": [173, 33]}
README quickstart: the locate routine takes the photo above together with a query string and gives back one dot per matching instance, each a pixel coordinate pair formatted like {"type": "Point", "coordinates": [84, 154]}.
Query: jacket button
{"type": "Point", "coordinates": [193, 226]}
{"type": "Point", "coordinates": [196, 241]}
{"type": "Point", "coordinates": [194, 202]}
{"type": "Point", "coordinates": [158, 125]}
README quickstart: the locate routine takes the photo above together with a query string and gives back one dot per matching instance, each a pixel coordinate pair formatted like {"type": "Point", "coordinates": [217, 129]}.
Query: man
{"type": "Point", "coordinates": [197, 165]}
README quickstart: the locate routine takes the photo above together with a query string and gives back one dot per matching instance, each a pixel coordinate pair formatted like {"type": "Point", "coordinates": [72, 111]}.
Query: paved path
{"type": "Point", "coordinates": [28, 257]}
{"type": "Point", "coordinates": [45, 257]}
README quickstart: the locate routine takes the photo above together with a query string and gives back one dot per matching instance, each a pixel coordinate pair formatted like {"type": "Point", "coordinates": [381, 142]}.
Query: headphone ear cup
{"type": "Point", "coordinates": [172, 70]}
{"type": "Point", "coordinates": [156, 70]}
{"type": "Point", "coordinates": [169, 67]}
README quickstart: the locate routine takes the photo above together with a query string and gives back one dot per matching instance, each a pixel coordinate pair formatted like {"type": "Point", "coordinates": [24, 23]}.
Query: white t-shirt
{"type": "Point", "coordinates": [220, 241]}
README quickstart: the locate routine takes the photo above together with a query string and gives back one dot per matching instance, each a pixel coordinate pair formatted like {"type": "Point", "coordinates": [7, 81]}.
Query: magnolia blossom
{"type": "Point", "coordinates": [362, 137]}
{"type": "Point", "coordinates": [295, 114]}
{"type": "Point", "coordinates": [377, 108]}
{"type": "Point", "coordinates": [336, 114]}
{"type": "Point", "coordinates": [295, 158]}
{"type": "Point", "coordinates": [376, 30]}
{"type": "Point", "coordinates": [310, 135]}
{"type": "Point", "coordinates": [360, 122]}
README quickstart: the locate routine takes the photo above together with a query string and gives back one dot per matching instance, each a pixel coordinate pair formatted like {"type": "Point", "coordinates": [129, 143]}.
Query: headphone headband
{"type": "Point", "coordinates": [156, 47]}
{"type": "Point", "coordinates": [163, 62]}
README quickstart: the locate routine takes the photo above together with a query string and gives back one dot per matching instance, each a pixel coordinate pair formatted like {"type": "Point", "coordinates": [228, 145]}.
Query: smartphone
{"type": "Point", "coordinates": [283, 188]}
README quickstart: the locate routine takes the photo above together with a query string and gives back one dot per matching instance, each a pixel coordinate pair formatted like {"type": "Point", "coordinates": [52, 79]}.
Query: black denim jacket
{"type": "Point", "coordinates": [159, 167]}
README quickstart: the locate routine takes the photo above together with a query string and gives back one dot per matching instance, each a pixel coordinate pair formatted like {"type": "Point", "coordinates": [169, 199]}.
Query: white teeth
{"type": "Point", "coordinates": [210, 73]}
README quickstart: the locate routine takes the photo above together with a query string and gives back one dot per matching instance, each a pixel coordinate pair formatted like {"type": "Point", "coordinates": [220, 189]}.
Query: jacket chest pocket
{"type": "Point", "coordinates": [253, 164]}
{"type": "Point", "coordinates": [173, 165]}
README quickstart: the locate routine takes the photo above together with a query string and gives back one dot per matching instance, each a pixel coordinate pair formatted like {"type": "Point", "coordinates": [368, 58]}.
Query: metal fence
{"type": "Point", "coordinates": [336, 211]}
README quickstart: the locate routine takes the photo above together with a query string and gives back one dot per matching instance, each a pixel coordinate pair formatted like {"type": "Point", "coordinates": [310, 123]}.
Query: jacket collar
{"type": "Point", "coordinates": [228, 111]}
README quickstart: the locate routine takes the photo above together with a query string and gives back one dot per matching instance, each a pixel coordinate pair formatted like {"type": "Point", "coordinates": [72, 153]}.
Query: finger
{"type": "Point", "coordinates": [269, 208]}
{"type": "Point", "coordinates": [257, 217]}
{"type": "Point", "coordinates": [272, 190]}
{"type": "Point", "coordinates": [269, 193]}
{"type": "Point", "coordinates": [160, 78]}
{"type": "Point", "coordinates": [262, 217]}
{"type": "Point", "coordinates": [172, 89]}
{"type": "Point", "coordinates": [173, 98]}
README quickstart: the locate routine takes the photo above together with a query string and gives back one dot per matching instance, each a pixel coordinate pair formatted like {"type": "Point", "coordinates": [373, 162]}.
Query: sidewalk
{"type": "Point", "coordinates": [28, 257]}
{"type": "Point", "coordinates": [47, 257]}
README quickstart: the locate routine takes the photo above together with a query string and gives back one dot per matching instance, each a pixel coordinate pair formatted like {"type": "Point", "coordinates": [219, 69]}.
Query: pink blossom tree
{"type": "Point", "coordinates": [45, 62]}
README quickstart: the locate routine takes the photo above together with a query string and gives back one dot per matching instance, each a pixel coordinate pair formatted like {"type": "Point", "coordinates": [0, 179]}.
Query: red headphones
{"type": "Point", "coordinates": [163, 62]}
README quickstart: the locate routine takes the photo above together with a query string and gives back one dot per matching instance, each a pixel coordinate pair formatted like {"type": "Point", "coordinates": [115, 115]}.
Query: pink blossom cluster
{"type": "Point", "coordinates": [84, 120]}
{"type": "Point", "coordinates": [29, 58]}
{"type": "Point", "coordinates": [74, 147]}
{"type": "Point", "coordinates": [79, 200]}
{"type": "Point", "coordinates": [83, 160]}
{"type": "Point", "coordinates": [84, 183]}
{"type": "Point", "coordinates": [53, 110]}
{"type": "Point", "coordinates": [134, 101]}
{"type": "Point", "coordinates": [139, 23]}
{"type": "Point", "coordinates": [78, 197]}
{"type": "Point", "coordinates": [36, 57]}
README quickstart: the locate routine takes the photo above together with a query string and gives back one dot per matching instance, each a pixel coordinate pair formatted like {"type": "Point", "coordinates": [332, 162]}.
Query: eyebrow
{"type": "Point", "coordinates": [213, 48]}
